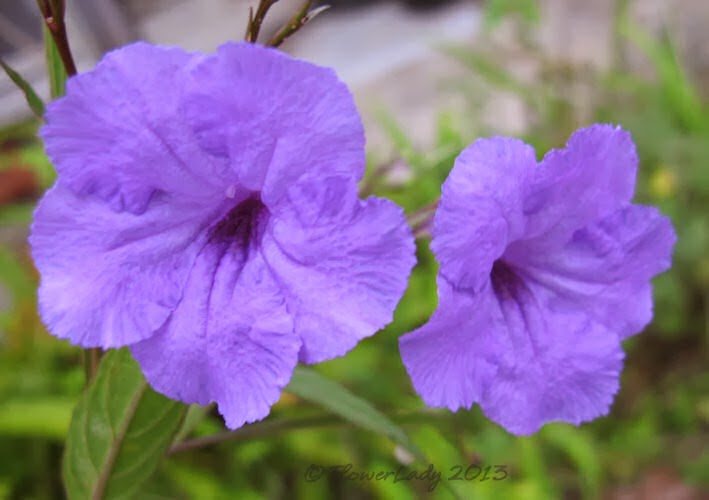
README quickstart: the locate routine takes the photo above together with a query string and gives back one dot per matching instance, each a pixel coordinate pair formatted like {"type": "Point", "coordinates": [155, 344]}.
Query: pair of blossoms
{"type": "Point", "coordinates": [206, 214]}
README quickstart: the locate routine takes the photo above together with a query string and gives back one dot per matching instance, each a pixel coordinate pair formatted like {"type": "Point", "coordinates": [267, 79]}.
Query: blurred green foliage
{"type": "Point", "coordinates": [659, 423]}
{"type": "Point", "coordinates": [498, 10]}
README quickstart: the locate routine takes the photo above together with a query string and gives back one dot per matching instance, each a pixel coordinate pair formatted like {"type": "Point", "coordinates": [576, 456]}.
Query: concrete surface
{"type": "Point", "coordinates": [387, 53]}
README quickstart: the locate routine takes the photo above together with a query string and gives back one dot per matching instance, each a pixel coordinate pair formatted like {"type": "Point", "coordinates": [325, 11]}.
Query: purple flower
{"type": "Point", "coordinates": [544, 270]}
{"type": "Point", "coordinates": [206, 214]}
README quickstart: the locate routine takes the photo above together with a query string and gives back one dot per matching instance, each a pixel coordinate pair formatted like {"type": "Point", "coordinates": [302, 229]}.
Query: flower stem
{"type": "Point", "coordinates": [422, 219]}
{"type": "Point", "coordinates": [53, 13]}
{"type": "Point", "coordinates": [271, 427]}
{"type": "Point", "coordinates": [255, 431]}
{"type": "Point", "coordinates": [92, 358]}
{"type": "Point", "coordinates": [299, 19]}
{"type": "Point", "coordinates": [256, 19]}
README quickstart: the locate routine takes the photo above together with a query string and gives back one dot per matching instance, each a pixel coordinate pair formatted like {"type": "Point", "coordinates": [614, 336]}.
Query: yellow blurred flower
{"type": "Point", "coordinates": [664, 183]}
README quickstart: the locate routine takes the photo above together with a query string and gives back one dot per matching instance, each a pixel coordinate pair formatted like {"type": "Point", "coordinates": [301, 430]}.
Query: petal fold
{"type": "Point", "coordinates": [481, 208]}
{"type": "Point", "coordinates": [108, 278]}
{"type": "Point", "coordinates": [229, 340]}
{"type": "Point", "coordinates": [606, 267]}
{"type": "Point", "coordinates": [274, 118]}
{"type": "Point", "coordinates": [591, 178]}
{"type": "Point", "coordinates": [118, 134]}
{"type": "Point", "coordinates": [525, 364]}
{"type": "Point", "coordinates": [343, 263]}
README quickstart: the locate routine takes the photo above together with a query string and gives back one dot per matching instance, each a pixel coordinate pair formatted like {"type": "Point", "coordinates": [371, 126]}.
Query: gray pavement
{"type": "Point", "coordinates": [387, 54]}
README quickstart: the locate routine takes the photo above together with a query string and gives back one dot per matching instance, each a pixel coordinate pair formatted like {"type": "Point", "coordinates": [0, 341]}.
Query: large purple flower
{"type": "Point", "coordinates": [206, 214]}
{"type": "Point", "coordinates": [544, 270]}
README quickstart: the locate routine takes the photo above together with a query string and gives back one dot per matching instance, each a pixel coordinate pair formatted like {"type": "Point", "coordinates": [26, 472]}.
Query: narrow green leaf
{"type": "Point", "coordinates": [33, 100]}
{"type": "Point", "coordinates": [400, 139]}
{"type": "Point", "coordinates": [312, 386]}
{"type": "Point", "coordinates": [55, 66]}
{"type": "Point", "coordinates": [676, 84]}
{"type": "Point", "coordinates": [493, 73]}
{"type": "Point", "coordinates": [193, 417]}
{"type": "Point", "coordinates": [119, 432]}
{"type": "Point", "coordinates": [581, 449]}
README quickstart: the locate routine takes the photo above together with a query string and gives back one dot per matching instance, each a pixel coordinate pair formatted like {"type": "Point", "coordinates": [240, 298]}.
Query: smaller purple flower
{"type": "Point", "coordinates": [544, 270]}
{"type": "Point", "coordinates": [206, 215]}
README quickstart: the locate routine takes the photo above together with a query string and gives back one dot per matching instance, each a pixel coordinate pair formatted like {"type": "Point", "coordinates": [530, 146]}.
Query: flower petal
{"type": "Point", "coordinates": [342, 263]}
{"type": "Point", "coordinates": [230, 340]}
{"type": "Point", "coordinates": [537, 292]}
{"type": "Point", "coordinates": [606, 267]}
{"type": "Point", "coordinates": [111, 278]}
{"type": "Point", "coordinates": [481, 208]}
{"type": "Point", "coordinates": [118, 133]}
{"type": "Point", "coordinates": [274, 118]}
{"type": "Point", "coordinates": [593, 177]}
{"type": "Point", "coordinates": [454, 357]}
{"type": "Point", "coordinates": [523, 361]}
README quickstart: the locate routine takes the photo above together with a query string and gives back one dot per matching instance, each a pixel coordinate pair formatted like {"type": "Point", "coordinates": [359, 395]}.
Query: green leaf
{"type": "Point", "coordinates": [119, 432]}
{"type": "Point", "coordinates": [683, 98]}
{"type": "Point", "coordinates": [581, 449]}
{"type": "Point", "coordinates": [193, 417]}
{"type": "Point", "coordinates": [55, 66]}
{"type": "Point", "coordinates": [493, 73]}
{"type": "Point", "coordinates": [534, 468]}
{"type": "Point", "coordinates": [312, 386]}
{"type": "Point", "coordinates": [495, 11]}
{"type": "Point", "coordinates": [13, 274]}
{"type": "Point", "coordinates": [33, 100]}
{"type": "Point", "coordinates": [400, 139]}
{"type": "Point", "coordinates": [46, 417]}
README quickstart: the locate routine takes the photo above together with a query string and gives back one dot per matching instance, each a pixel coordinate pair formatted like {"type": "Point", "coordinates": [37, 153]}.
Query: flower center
{"type": "Point", "coordinates": [243, 225]}
{"type": "Point", "coordinates": [504, 280]}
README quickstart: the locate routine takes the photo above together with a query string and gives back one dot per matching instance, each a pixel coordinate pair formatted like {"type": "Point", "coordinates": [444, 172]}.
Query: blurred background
{"type": "Point", "coordinates": [429, 77]}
